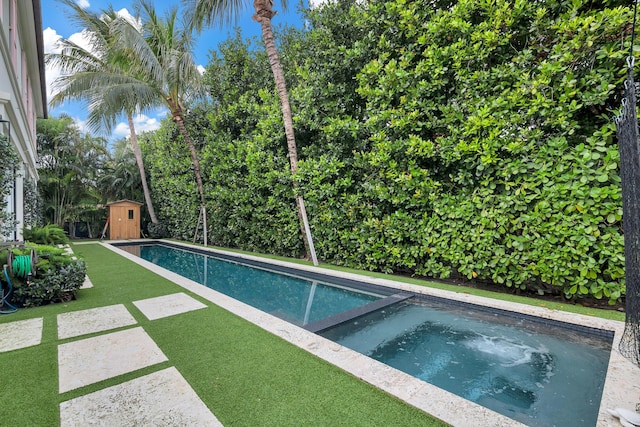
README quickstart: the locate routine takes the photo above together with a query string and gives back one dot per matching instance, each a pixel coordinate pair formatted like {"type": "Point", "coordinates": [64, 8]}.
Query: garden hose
{"type": "Point", "coordinates": [4, 297]}
{"type": "Point", "coordinates": [22, 266]}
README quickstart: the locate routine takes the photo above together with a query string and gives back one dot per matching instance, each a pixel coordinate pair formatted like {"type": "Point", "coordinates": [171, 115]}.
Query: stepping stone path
{"type": "Point", "coordinates": [99, 319]}
{"type": "Point", "coordinates": [167, 305]}
{"type": "Point", "coordinates": [90, 360]}
{"type": "Point", "coordinates": [20, 334]}
{"type": "Point", "coordinates": [162, 398]}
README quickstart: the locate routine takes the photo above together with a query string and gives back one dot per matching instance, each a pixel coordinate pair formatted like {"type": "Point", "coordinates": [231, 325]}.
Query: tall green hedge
{"type": "Point", "coordinates": [468, 138]}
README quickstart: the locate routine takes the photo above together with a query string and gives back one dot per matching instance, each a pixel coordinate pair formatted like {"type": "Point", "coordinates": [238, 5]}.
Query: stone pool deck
{"type": "Point", "coordinates": [150, 399]}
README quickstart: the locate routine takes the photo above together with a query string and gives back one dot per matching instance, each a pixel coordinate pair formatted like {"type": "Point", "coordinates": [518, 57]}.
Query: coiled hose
{"type": "Point", "coordinates": [22, 265]}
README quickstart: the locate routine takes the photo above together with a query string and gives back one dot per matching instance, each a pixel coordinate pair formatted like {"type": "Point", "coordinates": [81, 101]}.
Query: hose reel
{"type": "Point", "coordinates": [22, 265]}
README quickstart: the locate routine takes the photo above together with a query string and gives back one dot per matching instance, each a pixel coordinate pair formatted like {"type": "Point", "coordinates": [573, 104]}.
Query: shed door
{"type": "Point", "coordinates": [125, 223]}
{"type": "Point", "coordinates": [132, 222]}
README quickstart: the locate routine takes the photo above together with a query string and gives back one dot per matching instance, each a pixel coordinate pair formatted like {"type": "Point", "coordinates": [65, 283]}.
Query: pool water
{"type": "Point", "coordinates": [294, 299]}
{"type": "Point", "coordinates": [534, 372]}
{"type": "Point", "coordinates": [539, 372]}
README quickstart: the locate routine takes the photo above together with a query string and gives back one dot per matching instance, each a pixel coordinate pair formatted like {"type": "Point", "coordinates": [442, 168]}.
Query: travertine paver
{"type": "Point", "coordinates": [20, 334]}
{"type": "Point", "coordinates": [168, 305]}
{"type": "Point", "coordinates": [87, 283]}
{"type": "Point", "coordinates": [83, 322]}
{"type": "Point", "coordinates": [90, 360]}
{"type": "Point", "coordinates": [163, 398]}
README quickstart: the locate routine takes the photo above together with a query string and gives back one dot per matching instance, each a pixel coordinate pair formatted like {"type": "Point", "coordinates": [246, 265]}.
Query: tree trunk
{"type": "Point", "coordinates": [177, 118]}
{"type": "Point", "coordinates": [263, 15]}
{"type": "Point", "coordinates": [143, 176]}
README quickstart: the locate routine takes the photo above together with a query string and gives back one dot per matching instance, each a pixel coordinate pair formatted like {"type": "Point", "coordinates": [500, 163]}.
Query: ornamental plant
{"type": "Point", "coordinates": [57, 278]}
{"type": "Point", "coordinates": [456, 140]}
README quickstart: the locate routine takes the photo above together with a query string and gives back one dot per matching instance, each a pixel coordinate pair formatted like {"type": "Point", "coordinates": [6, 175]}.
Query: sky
{"type": "Point", "coordinates": [56, 25]}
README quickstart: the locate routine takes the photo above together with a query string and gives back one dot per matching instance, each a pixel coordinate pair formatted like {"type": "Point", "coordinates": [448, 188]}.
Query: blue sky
{"type": "Point", "coordinates": [56, 25]}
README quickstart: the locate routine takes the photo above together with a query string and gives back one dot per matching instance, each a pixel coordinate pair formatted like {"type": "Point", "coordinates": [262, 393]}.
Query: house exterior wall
{"type": "Point", "coordinates": [22, 92]}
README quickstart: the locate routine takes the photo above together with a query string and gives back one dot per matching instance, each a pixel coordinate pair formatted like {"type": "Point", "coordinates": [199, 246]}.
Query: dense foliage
{"type": "Point", "coordinates": [447, 139]}
{"type": "Point", "coordinates": [49, 234]}
{"type": "Point", "coordinates": [78, 176]}
{"type": "Point", "coordinates": [491, 151]}
{"type": "Point", "coordinates": [58, 276]}
{"type": "Point", "coordinates": [7, 175]}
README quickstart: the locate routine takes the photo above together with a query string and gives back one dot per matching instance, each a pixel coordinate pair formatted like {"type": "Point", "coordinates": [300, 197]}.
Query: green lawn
{"type": "Point", "coordinates": [246, 376]}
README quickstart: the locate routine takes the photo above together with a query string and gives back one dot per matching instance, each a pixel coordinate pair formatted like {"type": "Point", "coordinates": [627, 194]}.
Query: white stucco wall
{"type": "Point", "coordinates": [21, 97]}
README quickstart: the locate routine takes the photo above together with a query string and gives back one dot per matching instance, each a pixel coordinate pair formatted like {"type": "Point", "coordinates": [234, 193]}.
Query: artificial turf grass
{"type": "Point", "coordinates": [29, 386]}
{"type": "Point", "coordinates": [552, 305]}
{"type": "Point", "coordinates": [245, 375]}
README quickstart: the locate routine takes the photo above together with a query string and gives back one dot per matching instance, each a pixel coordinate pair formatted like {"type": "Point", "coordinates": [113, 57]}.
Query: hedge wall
{"type": "Point", "coordinates": [469, 138]}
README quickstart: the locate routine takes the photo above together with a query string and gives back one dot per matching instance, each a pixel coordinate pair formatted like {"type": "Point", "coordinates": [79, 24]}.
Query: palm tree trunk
{"type": "Point", "coordinates": [263, 15]}
{"type": "Point", "coordinates": [143, 176]}
{"type": "Point", "coordinates": [177, 117]}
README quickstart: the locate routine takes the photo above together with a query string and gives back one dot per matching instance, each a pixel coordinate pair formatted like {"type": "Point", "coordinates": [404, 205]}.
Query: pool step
{"type": "Point", "coordinates": [332, 321]}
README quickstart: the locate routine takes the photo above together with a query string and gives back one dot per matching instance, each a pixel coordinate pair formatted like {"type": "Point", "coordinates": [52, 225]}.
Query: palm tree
{"type": "Point", "coordinates": [86, 73]}
{"type": "Point", "coordinates": [161, 55]}
{"type": "Point", "coordinates": [209, 11]}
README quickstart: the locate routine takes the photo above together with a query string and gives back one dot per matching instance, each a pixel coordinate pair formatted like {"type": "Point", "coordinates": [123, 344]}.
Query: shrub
{"type": "Point", "coordinates": [50, 234]}
{"type": "Point", "coordinates": [56, 284]}
{"type": "Point", "coordinates": [58, 277]}
{"type": "Point", "coordinates": [157, 231]}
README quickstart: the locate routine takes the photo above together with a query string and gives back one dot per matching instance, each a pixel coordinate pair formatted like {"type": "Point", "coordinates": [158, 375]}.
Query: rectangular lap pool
{"type": "Point", "coordinates": [540, 372]}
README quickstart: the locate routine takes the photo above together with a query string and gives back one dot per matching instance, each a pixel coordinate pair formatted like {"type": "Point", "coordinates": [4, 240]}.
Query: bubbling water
{"type": "Point", "coordinates": [509, 353]}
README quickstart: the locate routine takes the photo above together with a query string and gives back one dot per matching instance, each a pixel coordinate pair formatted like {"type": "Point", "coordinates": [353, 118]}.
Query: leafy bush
{"type": "Point", "coordinates": [157, 231]}
{"type": "Point", "coordinates": [50, 234]}
{"type": "Point", "coordinates": [444, 139]}
{"type": "Point", "coordinates": [7, 175]}
{"type": "Point", "coordinates": [58, 277]}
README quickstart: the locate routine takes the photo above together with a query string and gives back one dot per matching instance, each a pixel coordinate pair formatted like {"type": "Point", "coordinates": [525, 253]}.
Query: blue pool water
{"type": "Point", "coordinates": [294, 299]}
{"type": "Point", "coordinates": [536, 371]}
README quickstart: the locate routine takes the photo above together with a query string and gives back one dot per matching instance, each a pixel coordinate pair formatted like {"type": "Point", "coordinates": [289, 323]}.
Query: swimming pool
{"type": "Point", "coordinates": [536, 372]}
{"type": "Point", "coordinates": [538, 362]}
{"type": "Point", "coordinates": [287, 296]}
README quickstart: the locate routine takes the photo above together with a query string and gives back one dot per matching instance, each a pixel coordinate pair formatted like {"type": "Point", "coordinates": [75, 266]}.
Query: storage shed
{"type": "Point", "coordinates": [124, 219]}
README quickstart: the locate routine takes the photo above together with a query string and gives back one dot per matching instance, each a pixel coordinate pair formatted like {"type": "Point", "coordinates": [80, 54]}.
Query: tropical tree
{"type": "Point", "coordinates": [206, 12]}
{"type": "Point", "coordinates": [70, 164]}
{"type": "Point", "coordinates": [101, 76]}
{"type": "Point", "coordinates": [160, 53]}
{"type": "Point", "coordinates": [120, 178]}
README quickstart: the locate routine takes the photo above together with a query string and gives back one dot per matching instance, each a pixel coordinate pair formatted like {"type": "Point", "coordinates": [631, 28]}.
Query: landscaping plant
{"type": "Point", "coordinates": [470, 140]}
{"type": "Point", "coordinates": [58, 276]}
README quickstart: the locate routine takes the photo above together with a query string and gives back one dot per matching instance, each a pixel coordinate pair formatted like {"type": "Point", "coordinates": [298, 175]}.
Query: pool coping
{"type": "Point", "coordinates": [622, 383]}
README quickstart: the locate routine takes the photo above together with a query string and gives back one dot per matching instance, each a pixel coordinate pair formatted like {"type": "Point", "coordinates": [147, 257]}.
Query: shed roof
{"type": "Point", "coordinates": [124, 201]}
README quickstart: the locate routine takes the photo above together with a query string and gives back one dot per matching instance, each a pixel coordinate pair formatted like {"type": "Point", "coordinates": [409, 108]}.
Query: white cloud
{"type": "Point", "coordinates": [81, 124]}
{"type": "Point", "coordinates": [124, 13]}
{"type": "Point", "coordinates": [83, 3]}
{"type": "Point", "coordinates": [201, 69]}
{"type": "Point", "coordinates": [82, 39]}
{"type": "Point", "coordinates": [51, 38]}
{"type": "Point", "coordinates": [141, 122]}
{"type": "Point", "coordinates": [316, 3]}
